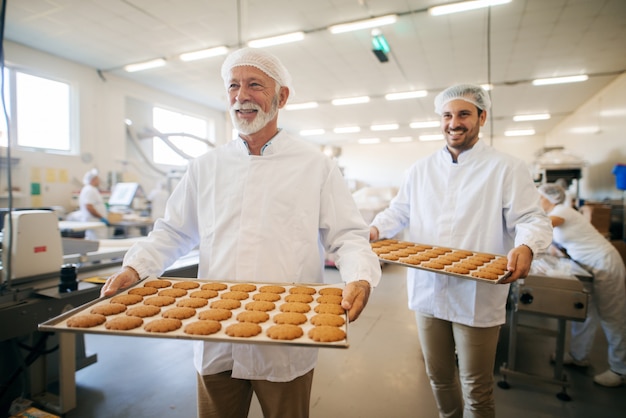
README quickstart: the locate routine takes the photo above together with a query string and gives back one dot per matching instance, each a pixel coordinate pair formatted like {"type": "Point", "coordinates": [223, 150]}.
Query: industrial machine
{"type": "Point", "coordinates": [557, 287]}
{"type": "Point", "coordinates": [555, 163]}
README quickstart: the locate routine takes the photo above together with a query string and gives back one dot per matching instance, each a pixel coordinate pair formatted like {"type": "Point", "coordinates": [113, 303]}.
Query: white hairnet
{"type": "Point", "coordinates": [260, 59]}
{"type": "Point", "coordinates": [553, 192]}
{"type": "Point", "coordinates": [90, 175]}
{"type": "Point", "coordinates": [471, 93]}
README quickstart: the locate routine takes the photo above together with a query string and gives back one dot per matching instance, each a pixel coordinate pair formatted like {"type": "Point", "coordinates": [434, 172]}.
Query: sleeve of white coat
{"type": "Point", "coordinates": [345, 234]}
{"type": "Point", "coordinates": [523, 213]}
{"type": "Point", "coordinates": [172, 237]}
{"type": "Point", "coordinates": [396, 217]}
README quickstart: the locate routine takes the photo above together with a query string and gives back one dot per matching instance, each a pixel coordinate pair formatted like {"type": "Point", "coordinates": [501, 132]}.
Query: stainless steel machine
{"type": "Point", "coordinates": [558, 288]}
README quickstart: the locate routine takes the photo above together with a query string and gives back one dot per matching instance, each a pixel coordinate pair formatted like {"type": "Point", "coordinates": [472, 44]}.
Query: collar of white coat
{"type": "Point", "coordinates": [478, 148]}
{"type": "Point", "coordinates": [268, 148]}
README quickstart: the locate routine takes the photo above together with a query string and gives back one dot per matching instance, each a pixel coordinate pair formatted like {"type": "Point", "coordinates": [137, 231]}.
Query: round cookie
{"type": "Point", "coordinates": [259, 305]}
{"type": "Point", "coordinates": [108, 309]}
{"type": "Point", "coordinates": [329, 308]}
{"type": "Point", "coordinates": [126, 299]}
{"type": "Point", "coordinates": [192, 303]}
{"type": "Point", "coordinates": [204, 294]}
{"type": "Point", "coordinates": [243, 330]}
{"type": "Point", "coordinates": [464, 265]}
{"type": "Point", "coordinates": [214, 286]}
{"type": "Point", "coordinates": [302, 289]}
{"type": "Point", "coordinates": [179, 313]}
{"type": "Point", "coordinates": [492, 269]}
{"type": "Point", "coordinates": [299, 297]}
{"type": "Point", "coordinates": [236, 295]}
{"type": "Point", "coordinates": [293, 318]}
{"type": "Point", "coordinates": [186, 285]}
{"type": "Point", "coordinates": [390, 257]}
{"type": "Point", "coordinates": [255, 317]}
{"type": "Point", "coordinates": [442, 260]}
{"type": "Point", "coordinates": [295, 307]}
{"type": "Point", "coordinates": [326, 334]}
{"type": "Point", "coordinates": [457, 270]}
{"type": "Point", "coordinates": [330, 299]}
{"type": "Point", "coordinates": [272, 289]}
{"type": "Point", "coordinates": [216, 314]}
{"type": "Point", "coordinates": [159, 284]}
{"type": "Point", "coordinates": [226, 304]}
{"type": "Point", "coordinates": [143, 291]}
{"type": "Point", "coordinates": [484, 275]}
{"type": "Point", "coordinates": [328, 319]}
{"type": "Point", "coordinates": [284, 332]}
{"type": "Point", "coordinates": [331, 291]}
{"type": "Point", "coordinates": [159, 300]}
{"type": "Point", "coordinates": [124, 323]}
{"type": "Point", "coordinates": [243, 287]}
{"type": "Point", "coordinates": [143, 311]}
{"type": "Point", "coordinates": [266, 296]}
{"type": "Point", "coordinates": [433, 265]}
{"type": "Point", "coordinates": [163, 325]}
{"type": "Point", "coordinates": [86, 320]}
{"type": "Point", "coordinates": [206, 327]}
{"type": "Point", "coordinates": [175, 293]}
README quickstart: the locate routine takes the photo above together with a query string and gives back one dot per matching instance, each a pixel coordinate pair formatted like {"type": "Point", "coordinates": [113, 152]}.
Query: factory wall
{"type": "Point", "coordinates": [596, 133]}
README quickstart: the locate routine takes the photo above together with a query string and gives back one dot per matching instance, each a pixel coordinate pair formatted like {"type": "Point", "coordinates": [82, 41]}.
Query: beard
{"type": "Point", "coordinates": [262, 118]}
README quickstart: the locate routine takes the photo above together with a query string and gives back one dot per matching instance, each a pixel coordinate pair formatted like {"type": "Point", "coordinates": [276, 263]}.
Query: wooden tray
{"type": "Point", "coordinates": [449, 261]}
{"type": "Point", "coordinates": [59, 323]}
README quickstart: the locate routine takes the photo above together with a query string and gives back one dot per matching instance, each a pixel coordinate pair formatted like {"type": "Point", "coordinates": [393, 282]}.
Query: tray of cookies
{"type": "Point", "coordinates": [483, 267]}
{"type": "Point", "coordinates": [243, 312]}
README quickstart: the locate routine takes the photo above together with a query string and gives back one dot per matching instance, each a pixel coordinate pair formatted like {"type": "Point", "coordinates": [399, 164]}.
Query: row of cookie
{"type": "Point", "coordinates": [236, 287]}
{"type": "Point", "coordinates": [474, 266]}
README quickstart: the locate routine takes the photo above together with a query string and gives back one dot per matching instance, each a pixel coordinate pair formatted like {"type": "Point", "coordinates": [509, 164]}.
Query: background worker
{"type": "Point", "coordinates": [91, 205]}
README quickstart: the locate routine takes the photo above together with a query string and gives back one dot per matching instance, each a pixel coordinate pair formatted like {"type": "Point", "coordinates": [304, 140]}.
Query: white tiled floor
{"type": "Point", "coordinates": [380, 375]}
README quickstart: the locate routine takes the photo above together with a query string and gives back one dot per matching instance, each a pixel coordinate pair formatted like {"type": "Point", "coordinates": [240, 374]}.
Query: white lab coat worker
{"type": "Point", "coordinates": [92, 207]}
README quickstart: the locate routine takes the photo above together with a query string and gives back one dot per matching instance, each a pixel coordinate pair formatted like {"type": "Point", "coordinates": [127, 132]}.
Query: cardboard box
{"type": "Point", "coordinates": [115, 217]}
{"type": "Point", "coordinates": [599, 215]}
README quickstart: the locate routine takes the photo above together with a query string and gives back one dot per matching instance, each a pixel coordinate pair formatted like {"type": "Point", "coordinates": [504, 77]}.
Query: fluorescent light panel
{"type": "Point", "coordinates": [520, 132]}
{"type": "Point", "coordinates": [351, 100]}
{"type": "Point", "coordinates": [146, 65]}
{"type": "Point", "coordinates": [400, 139]}
{"type": "Point", "coordinates": [560, 80]}
{"type": "Point", "coordinates": [301, 106]}
{"type": "Point", "coordinates": [406, 95]}
{"type": "Point", "coordinates": [464, 6]}
{"type": "Point", "coordinates": [369, 141]}
{"type": "Point", "coordinates": [425, 124]}
{"type": "Point", "coordinates": [525, 118]}
{"type": "Point", "coordinates": [203, 53]}
{"type": "Point", "coordinates": [276, 40]}
{"type": "Point", "coordinates": [347, 130]}
{"type": "Point", "coordinates": [363, 24]}
{"type": "Point", "coordinates": [385, 127]}
{"type": "Point", "coordinates": [311, 132]}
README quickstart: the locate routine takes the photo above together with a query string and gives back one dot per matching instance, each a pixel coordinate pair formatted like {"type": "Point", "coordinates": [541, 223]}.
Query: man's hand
{"type": "Point", "coordinates": [121, 280]}
{"type": "Point", "coordinates": [355, 296]}
{"type": "Point", "coordinates": [374, 234]}
{"type": "Point", "coordinates": [519, 259]}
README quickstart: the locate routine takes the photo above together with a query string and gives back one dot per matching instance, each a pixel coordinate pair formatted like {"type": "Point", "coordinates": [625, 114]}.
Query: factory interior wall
{"type": "Point", "coordinates": [596, 133]}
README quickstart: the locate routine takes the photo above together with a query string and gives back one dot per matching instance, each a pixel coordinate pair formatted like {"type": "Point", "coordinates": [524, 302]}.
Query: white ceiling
{"type": "Point", "coordinates": [508, 46]}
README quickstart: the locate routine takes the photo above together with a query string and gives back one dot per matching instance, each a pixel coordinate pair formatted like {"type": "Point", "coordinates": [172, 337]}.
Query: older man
{"type": "Point", "coordinates": [264, 207]}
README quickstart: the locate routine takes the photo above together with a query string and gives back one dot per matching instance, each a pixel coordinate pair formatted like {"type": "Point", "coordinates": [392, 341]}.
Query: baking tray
{"type": "Point", "coordinates": [59, 323]}
{"type": "Point", "coordinates": [390, 249]}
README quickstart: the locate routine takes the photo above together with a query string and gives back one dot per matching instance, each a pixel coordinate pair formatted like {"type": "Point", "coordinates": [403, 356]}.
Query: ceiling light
{"type": "Point", "coordinates": [426, 124]}
{"type": "Point", "coordinates": [369, 141]}
{"type": "Point", "coordinates": [311, 132]}
{"type": "Point", "coordinates": [350, 100]}
{"type": "Point", "coordinates": [347, 130]}
{"type": "Point", "coordinates": [464, 6]}
{"type": "Point", "coordinates": [386, 127]}
{"type": "Point", "coordinates": [525, 118]}
{"type": "Point", "coordinates": [203, 53]}
{"type": "Point", "coordinates": [433, 137]}
{"type": "Point", "coordinates": [363, 24]}
{"type": "Point", "coordinates": [301, 106]}
{"type": "Point", "coordinates": [520, 132]}
{"type": "Point", "coordinates": [140, 66]}
{"type": "Point", "coordinates": [400, 139]}
{"type": "Point", "coordinates": [560, 80]}
{"type": "Point", "coordinates": [276, 40]}
{"type": "Point", "coordinates": [406, 95]}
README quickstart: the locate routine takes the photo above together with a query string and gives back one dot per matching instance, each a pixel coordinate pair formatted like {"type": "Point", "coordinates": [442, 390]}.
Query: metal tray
{"type": "Point", "coordinates": [59, 323]}
{"type": "Point", "coordinates": [390, 244]}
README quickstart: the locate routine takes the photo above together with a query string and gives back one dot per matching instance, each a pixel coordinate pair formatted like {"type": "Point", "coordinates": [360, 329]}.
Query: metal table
{"type": "Point", "coordinates": [556, 287]}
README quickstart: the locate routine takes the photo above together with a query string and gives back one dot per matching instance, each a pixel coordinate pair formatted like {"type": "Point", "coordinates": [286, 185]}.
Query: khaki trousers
{"type": "Point", "coordinates": [466, 391]}
{"type": "Point", "coordinates": [221, 396]}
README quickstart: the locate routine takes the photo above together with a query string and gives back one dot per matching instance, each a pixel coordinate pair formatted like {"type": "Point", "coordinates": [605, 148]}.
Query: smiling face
{"type": "Point", "coordinates": [460, 124]}
{"type": "Point", "coordinates": [254, 99]}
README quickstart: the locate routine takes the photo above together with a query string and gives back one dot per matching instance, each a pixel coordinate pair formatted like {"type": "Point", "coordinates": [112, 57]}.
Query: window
{"type": "Point", "coordinates": [168, 122]}
{"type": "Point", "coordinates": [41, 115]}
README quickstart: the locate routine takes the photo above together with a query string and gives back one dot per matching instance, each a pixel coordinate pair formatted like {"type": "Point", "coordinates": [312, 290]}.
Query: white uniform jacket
{"type": "Point", "coordinates": [266, 218]}
{"type": "Point", "coordinates": [486, 202]}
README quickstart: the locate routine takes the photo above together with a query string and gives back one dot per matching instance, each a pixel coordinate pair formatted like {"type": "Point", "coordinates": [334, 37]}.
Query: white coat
{"type": "Point", "coordinates": [90, 194]}
{"type": "Point", "coordinates": [266, 218]}
{"type": "Point", "coordinates": [486, 202]}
